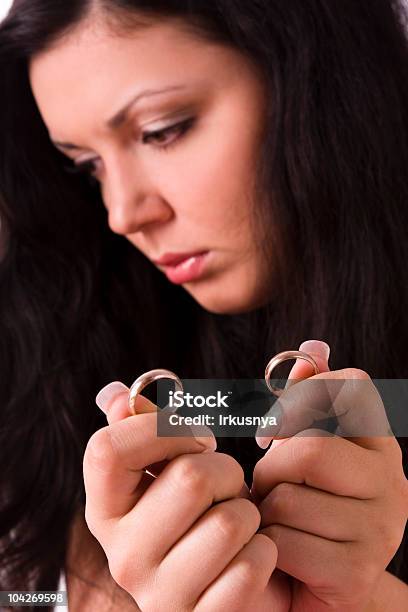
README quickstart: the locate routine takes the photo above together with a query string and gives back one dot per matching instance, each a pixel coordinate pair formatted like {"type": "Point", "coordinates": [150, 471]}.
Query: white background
{"type": "Point", "coordinates": [4, 7]}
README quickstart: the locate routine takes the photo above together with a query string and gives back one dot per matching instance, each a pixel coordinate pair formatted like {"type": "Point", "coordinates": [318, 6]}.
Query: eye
{"type": "Point", "coordinates": [89, 169]}
{"type": "Point", "coordinates": [86, 168]}
{"type": "Point", "coordinates": [178, 129]}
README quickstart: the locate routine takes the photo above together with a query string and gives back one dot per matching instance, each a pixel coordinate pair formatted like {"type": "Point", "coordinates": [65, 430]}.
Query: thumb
{"type": "Point", "coordinates": [113, 401]}
{"type": "Point", "coordinates": [319, 351]}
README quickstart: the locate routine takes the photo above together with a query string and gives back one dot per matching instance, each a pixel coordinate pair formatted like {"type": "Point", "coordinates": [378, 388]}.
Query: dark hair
{"type": "Point", "coordinates": [80, 306]}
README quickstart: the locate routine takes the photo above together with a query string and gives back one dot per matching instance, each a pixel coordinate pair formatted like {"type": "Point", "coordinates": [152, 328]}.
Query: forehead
{"type": "Point", "coordinates": [93, 71]}
{"type": "Point", "coordinates": [160, 46]}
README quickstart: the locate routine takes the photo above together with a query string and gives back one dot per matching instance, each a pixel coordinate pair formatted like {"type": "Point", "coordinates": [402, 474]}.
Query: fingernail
{"type": "Point", "coordinates": [316, 347]}
{"type": "Point", "coordinates": [273, 423]}
{"type": "Point", "coordinates": [205, 437]}
{"type": "Point", "coordinates": [262, 442]}
{"type": "Point", "coordinates": [107, 394]}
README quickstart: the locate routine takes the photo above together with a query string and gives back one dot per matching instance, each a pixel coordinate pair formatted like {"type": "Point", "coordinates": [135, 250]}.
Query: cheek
{"type": "Point", "coordinates": [212, 182]}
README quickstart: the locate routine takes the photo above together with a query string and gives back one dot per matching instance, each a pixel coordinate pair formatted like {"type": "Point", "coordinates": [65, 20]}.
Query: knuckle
{"type": "Point", "coordinates": [248, 571]}
{"type": "Point", "coordinates": [355, 373]}
{"type": "Point", "coordinates": [309, 450]}
{"type": "Point", "coordinates": [232, 467]}
{"type": "Point", "coordinates": [227, 523]}
{"type": "Point", "coordinates": [281, 500]}
{"type": "Point", "coordinates": [99, 450]}
{"type": "Point", "coordinates": [119, 569]}
{"type": "Point", "coordinates": [396, 455]}
{"type": "Point", "coordinates": [104, 530]}
{"type": "Point", "coordinates": [149, 600]}
{"type": "Point", "coordinates": [254, 568]}
{"type": "Point", "coordinates": [391, 540]}
{"type": "Point", "coordinates": [89, 519]}
{"type": "Point", "coordinates": [189, 473]}
{"type": "Point", "coordinates": [232, 518]}
{"type": "Point", "coordinates": [126, 568]}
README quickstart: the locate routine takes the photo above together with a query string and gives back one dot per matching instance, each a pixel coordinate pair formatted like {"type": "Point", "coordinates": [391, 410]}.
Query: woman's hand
{"type": "Point", "coordinates": [335, 506]}
{"type": "Point", "coordinates": [182, 536]}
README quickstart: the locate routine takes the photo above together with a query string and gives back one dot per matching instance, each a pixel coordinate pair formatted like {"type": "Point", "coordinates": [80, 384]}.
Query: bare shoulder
{"type": "Point", "coordinates": [90, 585]}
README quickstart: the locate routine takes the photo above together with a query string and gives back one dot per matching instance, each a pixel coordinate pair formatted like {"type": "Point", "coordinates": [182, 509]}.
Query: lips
{"type": "Point", "coordinates": [173, 259]}
{"type": "Point", "coordinates": [190, 267]}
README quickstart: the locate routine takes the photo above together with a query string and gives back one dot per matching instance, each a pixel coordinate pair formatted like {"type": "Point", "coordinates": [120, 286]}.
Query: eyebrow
{"type": "Point", "coordinates": [119, 117]}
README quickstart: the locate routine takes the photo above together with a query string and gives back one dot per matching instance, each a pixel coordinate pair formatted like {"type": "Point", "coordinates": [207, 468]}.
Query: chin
{"type": "Point", "coordinates": [222, 303]}
{"type": "Point", "coordinates": [234, 291]}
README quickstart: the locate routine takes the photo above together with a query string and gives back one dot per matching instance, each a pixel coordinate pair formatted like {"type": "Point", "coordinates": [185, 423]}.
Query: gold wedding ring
{"type": "Point", "coordinates": [152, 375]}
{"type": "Point", "coordinates": [285, 356]}
{"type": "Point", "coordinates": [145, 379]}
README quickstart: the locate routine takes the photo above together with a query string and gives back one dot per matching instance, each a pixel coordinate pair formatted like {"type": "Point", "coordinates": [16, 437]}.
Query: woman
{"type": "Point", "coordinates": [285, 130]}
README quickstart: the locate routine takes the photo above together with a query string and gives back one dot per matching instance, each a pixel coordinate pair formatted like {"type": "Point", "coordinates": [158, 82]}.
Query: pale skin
{"type": "Point", "coordinates": [191, 533]}
{"type": "Point", "coordinates": [88, 78]}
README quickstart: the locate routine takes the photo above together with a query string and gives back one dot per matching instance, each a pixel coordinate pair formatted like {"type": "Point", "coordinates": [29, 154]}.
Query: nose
{"type": "Point", "coordinates": [132, 199]}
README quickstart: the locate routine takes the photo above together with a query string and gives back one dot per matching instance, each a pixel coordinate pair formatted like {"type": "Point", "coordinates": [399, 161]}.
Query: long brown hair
{"type": "Point", "coordinates": [80, 306]}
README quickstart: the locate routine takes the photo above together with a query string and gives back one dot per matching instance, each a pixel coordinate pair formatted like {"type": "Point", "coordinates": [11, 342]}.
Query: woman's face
{"type": "Point", "coordinates": [172, 127]}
